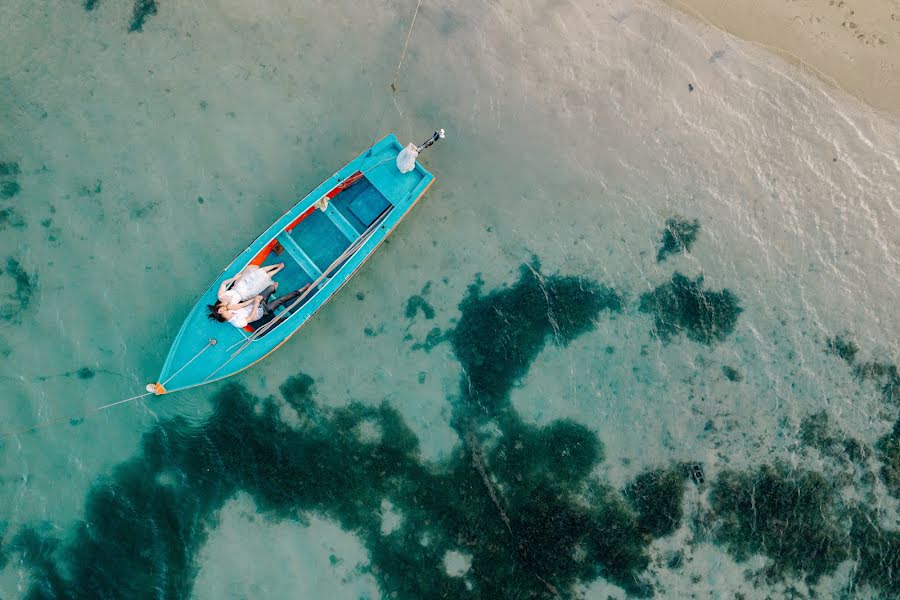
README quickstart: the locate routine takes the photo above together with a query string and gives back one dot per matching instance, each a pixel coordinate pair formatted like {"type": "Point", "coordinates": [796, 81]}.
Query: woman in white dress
{"type": "Point", "coordinates": [237, 293]}
{"type": "Point", "coordinates": [253, 309]}
{"type": "Point", "coordinates": [248, 283]}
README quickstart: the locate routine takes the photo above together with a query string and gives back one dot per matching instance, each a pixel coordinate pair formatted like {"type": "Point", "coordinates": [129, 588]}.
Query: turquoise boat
{"type": "Point", "coordinates": [323, 240]}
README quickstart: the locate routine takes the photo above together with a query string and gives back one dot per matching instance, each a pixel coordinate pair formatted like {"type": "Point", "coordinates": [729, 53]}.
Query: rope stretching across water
{"type": "Point", "coordinates": [97, 409]}
{"type": "Point", "coordinates": [61, 419]}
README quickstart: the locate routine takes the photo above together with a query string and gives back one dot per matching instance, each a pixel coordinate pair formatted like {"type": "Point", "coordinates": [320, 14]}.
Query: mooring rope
{"type": "Point", "coordinates": [209, 344]}
{"type": "Point", "coordinates": [405, 46]}
{"type": "Point", "coordinates": [396, 76]}
{"type": "Point", "coordinates": [97, 409]}
{"type": "Point", "coordinates": [70, 418]}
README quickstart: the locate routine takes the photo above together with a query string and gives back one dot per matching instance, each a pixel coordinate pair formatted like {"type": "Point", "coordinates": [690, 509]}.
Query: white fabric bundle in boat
{"type": "Point", "coordinates": [406, 160]}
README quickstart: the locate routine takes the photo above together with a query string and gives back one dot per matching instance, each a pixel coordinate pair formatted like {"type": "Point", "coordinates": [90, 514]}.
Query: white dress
{"type": "Point", "coordinates": [252, 281]}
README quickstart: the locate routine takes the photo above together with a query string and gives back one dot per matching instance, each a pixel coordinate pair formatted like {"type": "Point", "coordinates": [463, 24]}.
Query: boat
{"type": "Point", "coordinates": [323, 240]}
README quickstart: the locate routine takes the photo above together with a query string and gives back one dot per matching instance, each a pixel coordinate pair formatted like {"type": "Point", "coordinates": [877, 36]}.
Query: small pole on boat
{"type": "Point", "coordinates": [437, 135]}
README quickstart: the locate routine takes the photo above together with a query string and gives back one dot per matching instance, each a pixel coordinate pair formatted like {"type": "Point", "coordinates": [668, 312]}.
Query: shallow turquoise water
{"type": "Point", "coordinates": [415, 438]}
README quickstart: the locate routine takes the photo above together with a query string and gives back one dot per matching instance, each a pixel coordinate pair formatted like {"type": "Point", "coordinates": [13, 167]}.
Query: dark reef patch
{"type": "Point", "coordinates": [683, 306]}
{"type": "Point", "coordinates": [146, 522]}
{"type": "Point", "coordinates": [732, 374]}
{"type": "Point", "coordinates": [36, 553]}
{"type": "Point", "coordinates": [91, 190]}
{"type": "Point", "coordinates": [25, 286]}
{"type": "Point", "coordinates": [143, 9]}
{"type": "Point", "coordinates": [656, 497]}
{"type": "Point", "coordinates": [528, 510]}
{"type": "Point", "coordinates": [417, 303]}
{"type": "Point", "coordinates": [843, 348]}
{"type": "Point", "coordinates": [678, 237]}
{"type": "Point", "coordinates": [10, 218]}
{"type": "Point", "coordinates": [4, 554]}
{"type": "Point", "coordinates": [816, 432]}
{"type": "Point", "coordinates": [90, 5]}
{"type": "Point", "coordinates": [502, 332]}
{"type": "Point", "coordinates": [884, 375]}
{"type": "Point", "coordinates": [888, 448]}
{"type": "Point", "coordinates": [9, 169]}
{"type": "Point", "coordinates": [435, 337]}
{"type": "Point", "coordinates": [562, 452]}
{"type": "Point", "coordinates": [85, 373]}
{"type": "Point", "coordinates": [877, 553]}
{"type": "Point", "coordinates": [8, 189]}
{"type": "Point", "coordinates": [143, 210]}
{"type": "Point", "coordinates": [790, 516]}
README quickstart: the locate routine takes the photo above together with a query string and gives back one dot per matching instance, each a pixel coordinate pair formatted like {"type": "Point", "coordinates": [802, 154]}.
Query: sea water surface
{"type": "Point", "coordinates": [639, 339]}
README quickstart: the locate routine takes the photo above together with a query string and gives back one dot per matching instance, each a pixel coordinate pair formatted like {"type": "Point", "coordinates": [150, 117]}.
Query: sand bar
{"type": "Point", "coordinates": [854, 44]}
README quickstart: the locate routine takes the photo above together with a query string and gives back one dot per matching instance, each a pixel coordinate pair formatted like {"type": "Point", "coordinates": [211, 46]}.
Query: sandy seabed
{"type": "Point", "coordinates": [685, 250]}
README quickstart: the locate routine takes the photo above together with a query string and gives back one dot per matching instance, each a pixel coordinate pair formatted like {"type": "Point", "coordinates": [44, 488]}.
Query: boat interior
{"type": "Point", "coordinates": [317, 239]}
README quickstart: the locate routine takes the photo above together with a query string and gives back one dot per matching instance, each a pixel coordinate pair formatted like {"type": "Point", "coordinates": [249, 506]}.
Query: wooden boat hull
{"type": "Point", "coordinates": [366, 200]}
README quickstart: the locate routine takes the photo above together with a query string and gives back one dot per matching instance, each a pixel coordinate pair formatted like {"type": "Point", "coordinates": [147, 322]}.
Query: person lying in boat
{"type": "Point", "coordinates": [247, 284]}
{"type": "Point", "coordinates": [252, 310]}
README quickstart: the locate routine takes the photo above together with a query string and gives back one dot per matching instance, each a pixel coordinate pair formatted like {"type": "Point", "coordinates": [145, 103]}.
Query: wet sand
{"type": "Point", "coordinates": [853, 44]}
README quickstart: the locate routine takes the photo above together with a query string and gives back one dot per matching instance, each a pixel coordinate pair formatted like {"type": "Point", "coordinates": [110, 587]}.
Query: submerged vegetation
{"type": "Point", "coordinates": [418, 303]}
{"type": "Point", "coordinates": [434, 338]}
{"type": "Point", "coordinates": [885, 375]}
{"type": "Point", "coordinates": [888, 448]}
{"type": "Point", "coordinates": [845, 349]}
{"type": "Point", "coordinates": [527, 510]}
{"type": "Point", "coordinates": [732, 374]}
{"type": "Point", "coordinates": [502, 332]}
{"type": "Point", "coordinates": [787, 515]}
{"type": "Point", "coordinates": [8, 189]}
{"type": "Point", "coordinates": [798, 520]}
{"type": "Point", "coordinates": [678, 237]}
{"type": "Point", "coordinates": [25, 285]}
{"type": "Point", "coordinates": [656, 496]}
{"type": "Point", "coordinates": [877, 553]}
{"type": "Point", "coordinates": [817, 432]}
{"type": "Point", "coordinates": [163, 502]}
{"type": "Point", "coordinates": [143, 9]}
{"type": "Point", "coordinates": [682, 306]}
{"type": "Point", "coordinates": [10, 218]}
{"type": "Point", "coordinates": [523, 502]}
{"type": "Point", "coordinates": [140, 12]}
